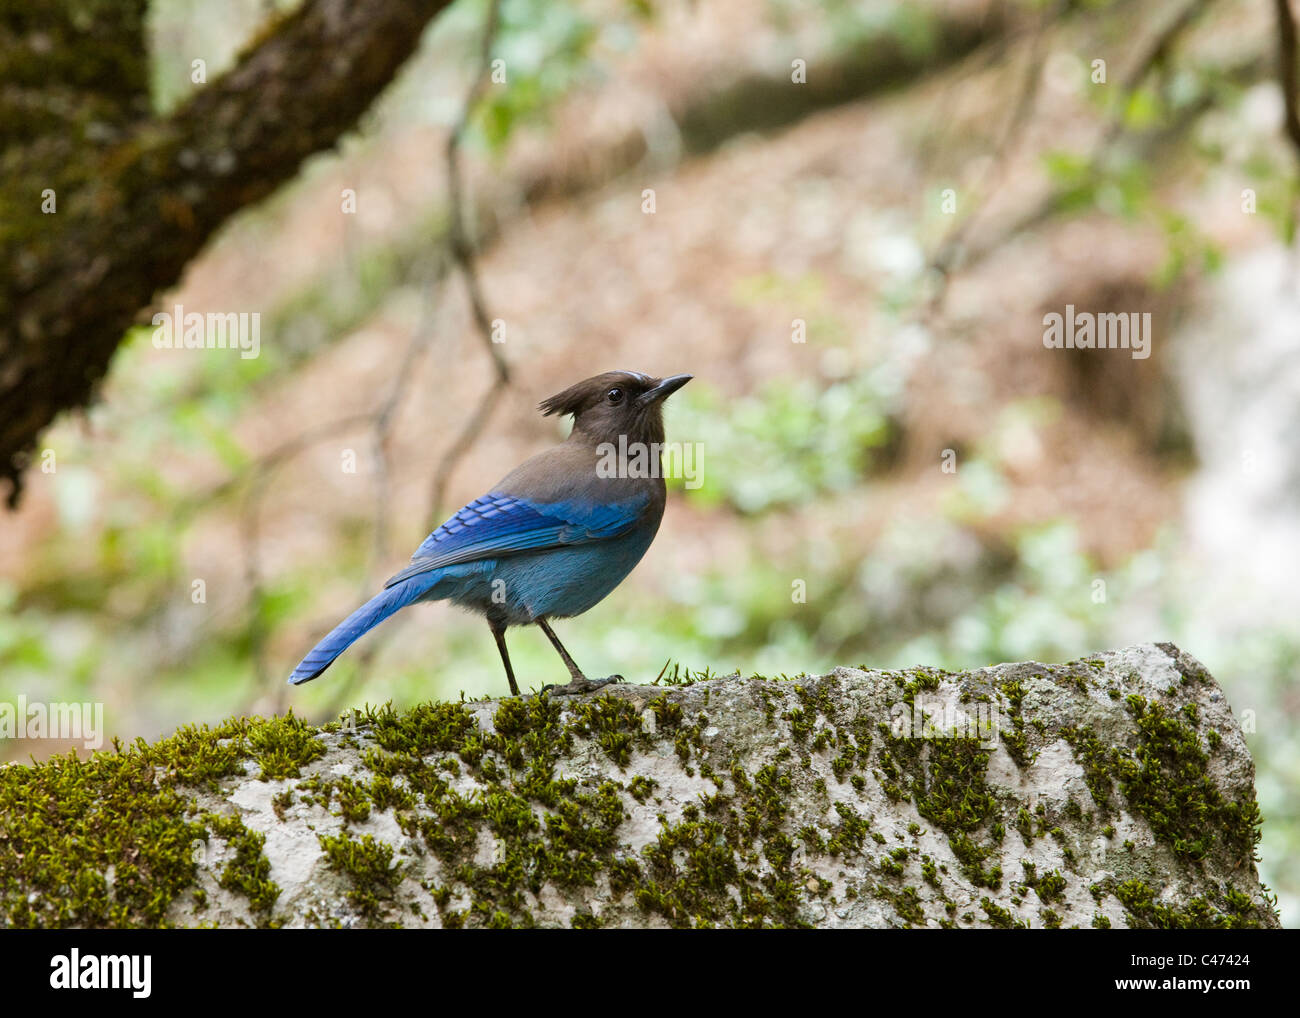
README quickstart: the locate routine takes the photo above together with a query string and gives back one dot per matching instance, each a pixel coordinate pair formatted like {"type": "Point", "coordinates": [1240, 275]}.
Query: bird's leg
{"type": "Point", "coordinates": [580, 683]}
{"type": "Point", "coordinates": [499, 634]}
{"type": "Point", "coordinates": [575, 672]}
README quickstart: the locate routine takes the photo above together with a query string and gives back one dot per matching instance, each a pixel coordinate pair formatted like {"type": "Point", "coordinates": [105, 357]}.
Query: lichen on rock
{"type": "Point", "coordinates": [1109, 792]}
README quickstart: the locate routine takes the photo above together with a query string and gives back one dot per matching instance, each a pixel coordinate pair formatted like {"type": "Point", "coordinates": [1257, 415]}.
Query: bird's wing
{"type": "Point", "coordinates": [497, 525]}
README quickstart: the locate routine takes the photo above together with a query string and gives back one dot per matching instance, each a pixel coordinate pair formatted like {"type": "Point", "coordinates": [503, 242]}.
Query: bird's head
{"type": "Point", "coordinates": [616, 403]}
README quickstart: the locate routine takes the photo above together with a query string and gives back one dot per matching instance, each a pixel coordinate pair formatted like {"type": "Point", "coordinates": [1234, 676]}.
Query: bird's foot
{"type": "Point", "coordinates": [582, 685]}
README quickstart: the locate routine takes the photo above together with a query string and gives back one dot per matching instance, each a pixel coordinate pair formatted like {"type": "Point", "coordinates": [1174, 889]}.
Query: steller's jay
{"type": "Point", "coordinates": [554, 536]}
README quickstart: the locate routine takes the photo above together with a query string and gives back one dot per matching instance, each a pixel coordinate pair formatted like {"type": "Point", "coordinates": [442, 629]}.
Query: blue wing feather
{"type": "Point", "coordinates": [497, 525]}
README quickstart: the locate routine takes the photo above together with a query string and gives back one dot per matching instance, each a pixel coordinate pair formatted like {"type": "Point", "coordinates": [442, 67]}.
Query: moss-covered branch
{"type": "Point", "coordinates": [103, 205]}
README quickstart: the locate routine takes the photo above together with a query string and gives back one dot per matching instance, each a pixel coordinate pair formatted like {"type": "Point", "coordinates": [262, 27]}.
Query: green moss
{"type": "Point", "coordinates": [852, 832]}
{"type": "Point", "coordinates": [949, 788]}
{"type": "Point", "coordinates": [928, 679]}
{"type": "Point", "coordinates": [889, 775]}
{"type": "Point", "coordinates": [692, 869]}
{"type": "Point", "coordinates": [385, 794]}
{"type": "Point", "coordinates": [425, 729]}
{"type": "Point", "coordinates": [1016, 742]}
{"type": "Point", "coordinates": [353, 799]}
{"type": "Point", "coordinates": [668, 714]}
{"type": "Point", "coordinates": [811, 840]}
{"type": "Point", "coordinates": [280, 802]}
{"type": "Point", "coordinates": [1050, 887]}
{"type": "Point", "coordinates": [801, 724]}
{"type": "Point", "coordinates": [614, 724]}
{"type": "Point", "coordinates": [111, 840]}
{"type": "Point", "coordinates": [641, 787]}
{"type": "Point", "coordinates": [283, 745]}
{"type": "Point", "coordinates": [999, 917]}
{"type": "Point", "coordinates": [368, 865]}
{"type": "Point", "coordinates": [1165, 780]}
{"type": "Point", "coordinates": [907, 903]}
{"type": "Point", "coordinates": [1094, 756]}
{"type": "Point", "coordinates": [249, 872]}
{"type": "Point", "coordinates": [1025, 825]}
{"type": "Point", "coordinates": [1239, 911]}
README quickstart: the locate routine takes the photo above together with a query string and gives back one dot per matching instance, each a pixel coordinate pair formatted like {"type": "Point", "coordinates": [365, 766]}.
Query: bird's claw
{"type": "Point", "coordinates": [582, 685]}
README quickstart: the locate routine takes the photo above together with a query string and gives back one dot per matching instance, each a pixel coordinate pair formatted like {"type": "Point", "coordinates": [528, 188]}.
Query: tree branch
{"type": "Point", "coordinates": [134, 209]}
{"type": "Point", "coordinates": [1286, 70]}
{"type": "Point", "coordinates": [464, 249]}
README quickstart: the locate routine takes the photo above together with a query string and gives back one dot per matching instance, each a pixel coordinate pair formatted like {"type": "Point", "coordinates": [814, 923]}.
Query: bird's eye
{"type": "Point", "coordinates": [615, 396]}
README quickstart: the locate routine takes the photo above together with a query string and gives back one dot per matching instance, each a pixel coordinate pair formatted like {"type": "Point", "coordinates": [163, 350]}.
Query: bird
{"type": "Point", "coordinates": [552, 538]}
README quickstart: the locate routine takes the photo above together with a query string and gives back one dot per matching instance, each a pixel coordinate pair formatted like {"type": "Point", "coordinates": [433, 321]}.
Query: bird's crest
{"type": "Point", "coordinates": [582, 394]}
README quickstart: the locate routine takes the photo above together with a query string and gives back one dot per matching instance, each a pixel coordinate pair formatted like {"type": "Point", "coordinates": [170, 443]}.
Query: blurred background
{"type": "Point", "coordinates": [855, 268]}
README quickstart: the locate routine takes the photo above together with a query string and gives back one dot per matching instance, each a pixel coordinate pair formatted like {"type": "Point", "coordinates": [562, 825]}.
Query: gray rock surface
{"type": "Point", "coordinates": [1112, 791]}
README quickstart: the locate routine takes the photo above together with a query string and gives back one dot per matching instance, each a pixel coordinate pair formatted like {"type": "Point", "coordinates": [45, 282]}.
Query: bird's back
{"type": "Point", "coordinates": [551, 539]}
{"type": "Point", "coordinates": [579, 473]}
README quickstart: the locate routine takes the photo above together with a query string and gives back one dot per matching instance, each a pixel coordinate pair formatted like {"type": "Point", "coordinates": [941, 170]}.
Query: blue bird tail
{"type": "Point", "coordinates": [361, 622]}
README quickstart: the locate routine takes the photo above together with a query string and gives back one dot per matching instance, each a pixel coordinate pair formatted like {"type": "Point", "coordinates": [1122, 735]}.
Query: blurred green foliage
{"type": "Point", "coordinates": [811, 440]}
{"type": "Point", "coordinates": [545, 48]}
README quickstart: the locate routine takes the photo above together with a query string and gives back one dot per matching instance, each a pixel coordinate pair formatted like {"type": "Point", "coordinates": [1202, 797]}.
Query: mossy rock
{"type": "Point", "coordinates": [1111, 792]}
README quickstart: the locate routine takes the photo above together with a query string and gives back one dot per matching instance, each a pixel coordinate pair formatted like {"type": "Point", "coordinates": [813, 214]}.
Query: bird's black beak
{"type": "Point", "coordinates": [663, 390]}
